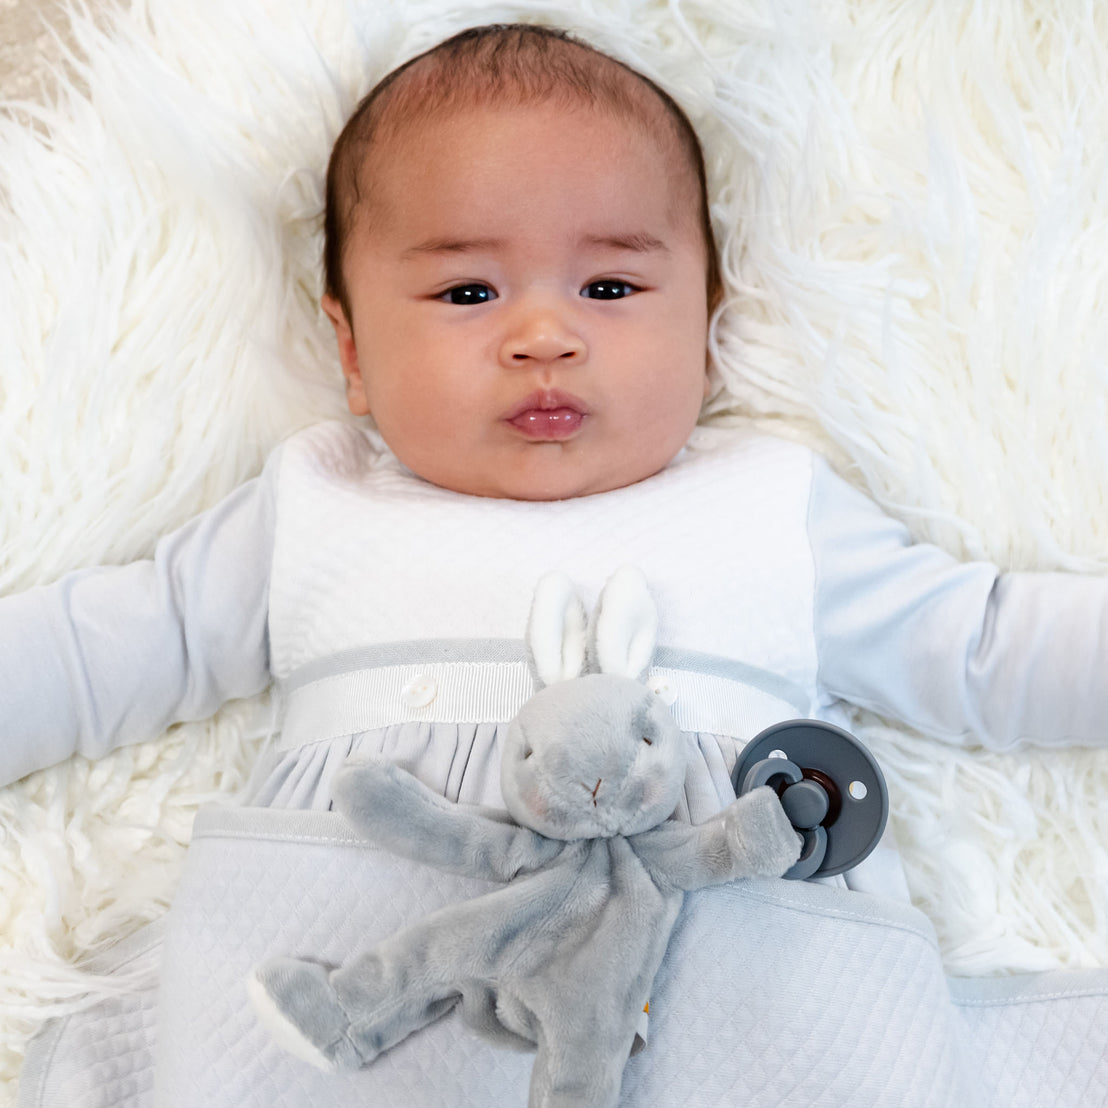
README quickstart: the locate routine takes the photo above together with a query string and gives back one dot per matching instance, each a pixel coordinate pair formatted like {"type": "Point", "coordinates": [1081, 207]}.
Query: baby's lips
{"type": "Point", "coordinates": [543, 424]}
{"type": "Point", "coordinates": [547, 400]}
{"type": "Point", "coordinates": [548, 415]}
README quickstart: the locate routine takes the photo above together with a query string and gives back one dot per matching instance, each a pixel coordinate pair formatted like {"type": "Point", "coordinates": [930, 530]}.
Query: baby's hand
{"type": "Point", "coordinates": [762, 841]}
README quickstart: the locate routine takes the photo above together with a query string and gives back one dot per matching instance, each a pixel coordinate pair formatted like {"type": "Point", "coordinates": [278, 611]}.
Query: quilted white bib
{"type": "Point", "coordinates": [720, 534]}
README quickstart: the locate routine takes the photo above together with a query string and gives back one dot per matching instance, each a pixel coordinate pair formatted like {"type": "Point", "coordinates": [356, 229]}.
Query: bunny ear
{"type": "Point", "coordinates": [626, 625]}
{"type": "Point", "coordinates": [557, 634]}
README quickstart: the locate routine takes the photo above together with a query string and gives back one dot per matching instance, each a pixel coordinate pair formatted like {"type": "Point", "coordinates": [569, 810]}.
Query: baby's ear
{"type": "Point", "coordinates": [356, 399]}
{"type": "Point", "coordinates": [557, 634]}
{"type": "Point", "coordinates": [626, 627]}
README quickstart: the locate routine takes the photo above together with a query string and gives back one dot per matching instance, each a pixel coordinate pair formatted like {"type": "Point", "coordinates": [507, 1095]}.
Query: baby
{"type": "Point", "coordinates": [520, 269]}
{"type": "Point", "coordinates": [520, 273]}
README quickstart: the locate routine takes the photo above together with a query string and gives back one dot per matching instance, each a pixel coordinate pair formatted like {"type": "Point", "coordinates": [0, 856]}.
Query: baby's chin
{"type": "Point", "coordinates": [562, 480]}
{"type": "Point", "coordinates": [542, 472]}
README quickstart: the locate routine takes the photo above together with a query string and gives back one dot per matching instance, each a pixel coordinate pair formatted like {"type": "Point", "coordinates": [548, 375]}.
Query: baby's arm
{"type": "Point", "coordinates": [391, 807]}
{"type": "Point", "coordinates": [110, 656]}
{"type": "Point", "coordinates": [751, 837]}
{"type": "Point", "coordinates": [957, 650]}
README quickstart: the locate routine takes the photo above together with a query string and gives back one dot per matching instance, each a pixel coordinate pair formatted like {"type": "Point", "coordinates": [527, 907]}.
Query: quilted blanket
{"type": "Point", "coordinates": [773, 994]}
{"type": "Point", "coordinates": [910, 201]}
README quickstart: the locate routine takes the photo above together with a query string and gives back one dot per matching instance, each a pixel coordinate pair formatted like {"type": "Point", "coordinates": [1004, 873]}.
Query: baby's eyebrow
{"type": "Point", "coordinates": [638, 242]}
{"type": "Point", "coordinates": [451, 246]}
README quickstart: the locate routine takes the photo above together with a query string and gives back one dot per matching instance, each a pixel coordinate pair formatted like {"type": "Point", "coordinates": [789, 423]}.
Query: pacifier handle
{"type": "Point", "coordinates": [806, 803]}
{"type": "Point", "coordinates": [831, 788]}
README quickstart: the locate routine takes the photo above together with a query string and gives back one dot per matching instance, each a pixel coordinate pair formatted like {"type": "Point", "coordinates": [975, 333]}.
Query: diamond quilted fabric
{"type": "Point", "coordinates": [1041, 1041]}
{"type": "Point", "coordinates": [103, 1056]}
{"type": "Point", "coordinates": [772, 993]}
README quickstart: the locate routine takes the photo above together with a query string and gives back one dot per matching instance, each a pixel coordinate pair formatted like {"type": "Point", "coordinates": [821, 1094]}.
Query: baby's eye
{"type": "Point", "coordinates": [468, 294]}
{"type": "Point", "coordinates": [608, 290]}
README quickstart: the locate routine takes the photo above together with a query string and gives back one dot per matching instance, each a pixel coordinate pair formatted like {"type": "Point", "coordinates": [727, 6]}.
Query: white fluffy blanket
{"type": "Point", "coordinates": [912, 200]}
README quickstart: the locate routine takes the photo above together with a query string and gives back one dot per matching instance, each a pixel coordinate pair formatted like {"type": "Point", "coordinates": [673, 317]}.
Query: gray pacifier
{"type": "Point", "coordinates": [831, 788]}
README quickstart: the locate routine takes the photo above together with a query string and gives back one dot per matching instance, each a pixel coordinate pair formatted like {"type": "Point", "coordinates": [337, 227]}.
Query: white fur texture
{"type": "Point", "coordinates": [910, 200]}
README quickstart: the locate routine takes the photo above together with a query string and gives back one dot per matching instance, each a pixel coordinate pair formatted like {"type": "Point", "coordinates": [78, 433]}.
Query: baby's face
{"type": "Point", "coordinates": [528, 304]}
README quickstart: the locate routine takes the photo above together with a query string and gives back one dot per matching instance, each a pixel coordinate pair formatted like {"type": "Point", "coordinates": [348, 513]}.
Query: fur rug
{"type": "Point", "coordinates": [911, 205]}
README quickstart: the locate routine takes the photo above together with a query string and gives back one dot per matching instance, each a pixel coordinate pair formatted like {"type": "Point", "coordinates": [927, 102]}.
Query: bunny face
{"type": "Point", "coordinates": [592, 757]}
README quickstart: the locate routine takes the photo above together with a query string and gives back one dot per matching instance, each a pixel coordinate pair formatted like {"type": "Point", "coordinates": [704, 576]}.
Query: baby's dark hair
{"type": "Point", "coordinates": [515, 63]}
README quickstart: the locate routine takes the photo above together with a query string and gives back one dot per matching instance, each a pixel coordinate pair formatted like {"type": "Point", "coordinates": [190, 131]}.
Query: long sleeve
{"type": "Point", "coordinates": [957, 650]}
{"type": "Point", "coordinates": [110, 656]}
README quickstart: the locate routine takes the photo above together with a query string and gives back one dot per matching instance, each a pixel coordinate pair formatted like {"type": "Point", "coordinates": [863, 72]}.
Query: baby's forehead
{"type": "Point", "coordinates": [574, 79]}
{"type": "Point", "coordinates": [431, 95]}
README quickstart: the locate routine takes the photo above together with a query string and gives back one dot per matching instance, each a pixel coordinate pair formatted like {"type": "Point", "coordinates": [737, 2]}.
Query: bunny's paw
{"type": "Point", "coordinates": [295, 1002]}
{"type": "Point", "coordinates": [763, 842]}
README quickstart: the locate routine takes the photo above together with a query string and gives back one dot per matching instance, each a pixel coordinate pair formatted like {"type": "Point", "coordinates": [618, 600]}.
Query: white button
{"type": "Point", "coordinates": [419, 692]}
{"type": "Point", "coordinates": [663, 688]}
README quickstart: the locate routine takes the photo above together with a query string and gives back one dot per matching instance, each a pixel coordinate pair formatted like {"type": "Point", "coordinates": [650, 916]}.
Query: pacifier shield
{"type": "Point", "coordinates": [833, 763]}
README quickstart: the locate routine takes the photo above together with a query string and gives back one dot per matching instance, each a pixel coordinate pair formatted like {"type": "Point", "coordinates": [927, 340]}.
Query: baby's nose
{"type": "Point", "coordinates": [542, 335]}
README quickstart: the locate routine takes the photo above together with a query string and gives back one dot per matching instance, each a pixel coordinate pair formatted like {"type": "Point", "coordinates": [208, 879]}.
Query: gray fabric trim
{"type": "Point", "coordinates": [216, 821]}
{"type": "Point", "coordinates": [414, 652]}
{"type": "Point", "coordinates": [835, 902]}
{"type": "Point", "coordinates": [127, 950]}
{"type": "Point", "coordinates": [429, 651]}
{"type": "Point", "coordinates": [1024, 988]}
{"type": "Point", "coordinates": [714, 665]}
{"type": "Point", "coordinates": [37, 1065]}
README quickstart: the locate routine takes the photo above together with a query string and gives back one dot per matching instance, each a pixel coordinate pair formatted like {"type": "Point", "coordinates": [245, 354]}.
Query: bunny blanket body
{"type": "Point", "coordinates": [564, 959]}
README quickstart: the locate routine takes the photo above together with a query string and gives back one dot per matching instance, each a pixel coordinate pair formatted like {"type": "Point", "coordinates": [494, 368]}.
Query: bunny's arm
{"type": "Point", "coordinates": [751, 837]}
{"type": "Point", "coordinates": [391, 807]}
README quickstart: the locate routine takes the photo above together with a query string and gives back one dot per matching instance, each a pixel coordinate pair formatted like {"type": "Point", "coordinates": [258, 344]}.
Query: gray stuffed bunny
{"type": "Point", "coordinates": [564, 956]}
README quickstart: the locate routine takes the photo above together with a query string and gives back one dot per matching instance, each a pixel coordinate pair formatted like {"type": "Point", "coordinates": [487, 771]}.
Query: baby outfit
{"type": "Point", "coordinates": [391, 614]}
